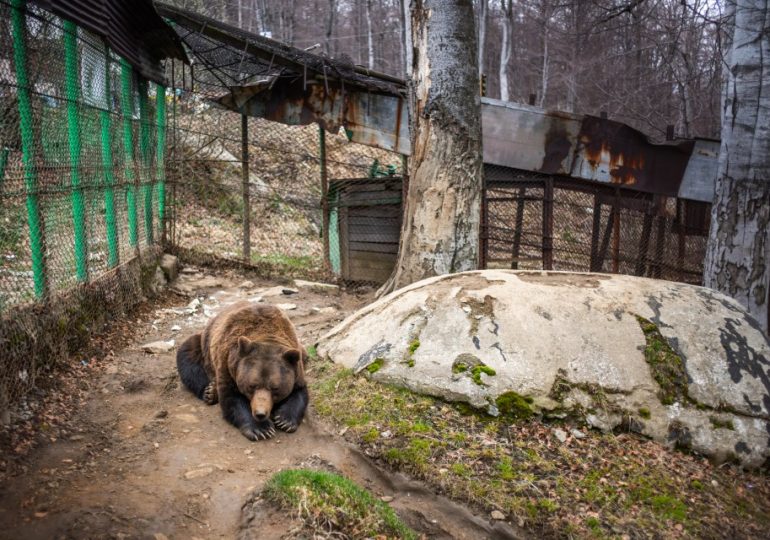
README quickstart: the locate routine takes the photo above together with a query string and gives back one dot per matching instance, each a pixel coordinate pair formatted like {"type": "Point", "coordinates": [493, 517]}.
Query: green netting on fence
{"type": "Point", "coordinates": [80, 180]}
{"type": "Point", "coordinates": [81, 183]}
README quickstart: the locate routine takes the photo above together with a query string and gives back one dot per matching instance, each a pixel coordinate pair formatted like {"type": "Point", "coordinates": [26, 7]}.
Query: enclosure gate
{"type": "Point", "coordinates": [535, 221]}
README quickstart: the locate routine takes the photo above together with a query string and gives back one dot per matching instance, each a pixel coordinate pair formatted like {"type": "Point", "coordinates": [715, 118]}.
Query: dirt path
{"type": "Point", "coordinates": [149, 460]}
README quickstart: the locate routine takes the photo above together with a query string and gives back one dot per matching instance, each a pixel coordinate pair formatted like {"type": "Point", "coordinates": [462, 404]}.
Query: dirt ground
{"type": "Point", "coordinates": [143, 458]}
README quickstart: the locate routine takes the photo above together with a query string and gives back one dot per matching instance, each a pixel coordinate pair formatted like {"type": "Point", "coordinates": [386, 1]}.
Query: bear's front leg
{"type": "Point", "coordinates": [289, 413]}
{"type": "Point", "coordinates": [236, 410]}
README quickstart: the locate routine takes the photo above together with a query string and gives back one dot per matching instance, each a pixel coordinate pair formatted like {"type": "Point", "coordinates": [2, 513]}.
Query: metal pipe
{"type": "Point", "coordinates": [113, 257]}
{"type": "Point", "coordinates": [72, 93]}
{"type": "Point", "coordinates": [127, 102]}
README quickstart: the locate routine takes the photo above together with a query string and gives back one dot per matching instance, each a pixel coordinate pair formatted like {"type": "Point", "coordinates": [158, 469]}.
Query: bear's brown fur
{"type": "Point", "coordinates": [248, 359]}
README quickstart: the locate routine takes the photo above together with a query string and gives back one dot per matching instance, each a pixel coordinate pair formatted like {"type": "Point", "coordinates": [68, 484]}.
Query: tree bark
{"type": "Point", "coordinates": [440, 231]}
{"type": "Point", "coordinates": [738, 251]}
{"type": "Point", "coordinates": [406, 37]}
{"type": "Point", "coordinates": [369, 41]}
{"type": "Point", "coordinates": [483, 9]}
{"type": "Point", "coordinates": [506, 47]}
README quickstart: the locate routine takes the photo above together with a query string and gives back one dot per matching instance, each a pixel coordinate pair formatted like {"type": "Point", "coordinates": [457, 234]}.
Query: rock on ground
{"type": "Point", "coordinates": [554, 342]}
{"type": "Point", "coordinates": [158, 347]}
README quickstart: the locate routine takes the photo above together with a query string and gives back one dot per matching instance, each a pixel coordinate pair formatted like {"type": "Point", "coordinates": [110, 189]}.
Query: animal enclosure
{"type": "Point", "coordinates": [103, 169]}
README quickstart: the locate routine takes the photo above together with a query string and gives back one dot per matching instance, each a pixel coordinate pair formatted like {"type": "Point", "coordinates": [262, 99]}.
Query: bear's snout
{"type": "Point", "coordinates": [261, 404]}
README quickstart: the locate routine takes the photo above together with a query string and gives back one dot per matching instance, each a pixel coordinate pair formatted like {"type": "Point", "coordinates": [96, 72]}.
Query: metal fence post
{"type": "Point", "coordinates": [160, 157]}
{"type": "Point", "coordinates": [109, 176]}
{"type": "Point", "coordinates": [245, 188]}
{"type": "Point", "coordinates": [34, 218]}
{"type": "Point", "coordinates": [324, 196]}
{"type": "Point", "coordinates": [144, 154]}
{"type": "Point", "coordinates": [548, 223]}
{"type": "Point", "coordinates": [73, 136]}
{"type": "Point", "coordinates": [127, 108]}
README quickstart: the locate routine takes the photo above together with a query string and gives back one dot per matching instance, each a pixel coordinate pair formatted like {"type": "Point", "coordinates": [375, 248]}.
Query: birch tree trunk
{"type": "Point", "coordinates": [440, 231]}
{"type": "Point", "coordinates": [483, 9]}
{"type": "Point", "coordinates": [369, 42]}
{"type": "Point", "coordinates": [738, 251]}
{"type": "Point", "coordinates": [506, 47]}
{"type": "Point", "coordinates": [406, 37]}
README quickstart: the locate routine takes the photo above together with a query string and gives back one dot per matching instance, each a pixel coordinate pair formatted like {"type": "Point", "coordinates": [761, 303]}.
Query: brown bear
{"type": "Point", "coordinates": [249, 360]}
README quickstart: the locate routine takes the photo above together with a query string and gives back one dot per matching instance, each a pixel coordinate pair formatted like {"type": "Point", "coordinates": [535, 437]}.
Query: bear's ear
{"type": "Point", "coordinates": [292, 356]}
{"type": "Point", "coordinates": [245, 346]}
{"type": "Point", "coordinates": [296, 358]}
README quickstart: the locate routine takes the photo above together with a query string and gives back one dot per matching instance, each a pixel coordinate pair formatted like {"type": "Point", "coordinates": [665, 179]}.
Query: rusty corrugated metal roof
{"type": "Point", "coordinates": [293, 86]}
{"type": "Point", "coordinates": [134, 30]}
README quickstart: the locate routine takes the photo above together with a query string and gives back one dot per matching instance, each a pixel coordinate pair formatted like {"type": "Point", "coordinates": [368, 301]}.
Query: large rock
{"type": "Point", "coordinates": [682, 364]}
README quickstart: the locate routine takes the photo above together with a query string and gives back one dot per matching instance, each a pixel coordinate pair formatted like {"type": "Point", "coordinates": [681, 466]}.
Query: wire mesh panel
{"type": "Point", "coordinates": [79, 140]}
{"type": "Point", "coordinates": [535, 221]}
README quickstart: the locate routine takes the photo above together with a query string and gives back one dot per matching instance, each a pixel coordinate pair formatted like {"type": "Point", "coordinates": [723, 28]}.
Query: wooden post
{"type": "Point", "coordinates": [596, 264]}
{"type": "Point", "coordinates": [548, 224]}
{"type": "Point", "coordinates": [616, 234]}
{"type": "Point", "coordinates": [245, 189]}
{"type": "Point", "coordinates": [660, 235]}
{"type": "Point", "coordinates": [681, 238]}
{"type": "Point", "coordinates": [484, 225]}
{"type": "Point", "coordinates": [644, 240]}
{"type": "Point", "coordinates": [518, 224]}
{"type": "Point", "coordinates": [324, 196]}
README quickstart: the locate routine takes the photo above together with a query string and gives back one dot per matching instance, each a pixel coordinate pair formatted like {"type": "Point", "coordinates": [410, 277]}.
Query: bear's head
{"type": "Point", "coordinates": [266, 373]}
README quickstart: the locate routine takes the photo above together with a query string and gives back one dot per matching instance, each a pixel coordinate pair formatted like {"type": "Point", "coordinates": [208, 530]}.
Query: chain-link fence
{"type": "Point", "coordinates": [81, 186]}
{"type": "Point", "coordinates": [534, 221]}
{"type": "Point", "coordinates": [289, 168]}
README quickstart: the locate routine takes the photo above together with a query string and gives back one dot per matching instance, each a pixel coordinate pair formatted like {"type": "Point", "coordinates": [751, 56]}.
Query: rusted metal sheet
{"type": "Point", "coordinates": [597, 149]}
{"type": "Point", "coordinates": [298, 87]}
{"type": "Point", "coordinates": [368, 118]}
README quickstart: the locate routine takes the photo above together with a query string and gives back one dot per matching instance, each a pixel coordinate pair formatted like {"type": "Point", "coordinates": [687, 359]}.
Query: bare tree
{"type": "Point", "coordinates": [483, 11]}
{"type": "Point", "coordinates": [440, 230]}
{"type": "Point", "coordinates": [506, 7]}
{"type": "Point", "coordinates": [369, 42]}
{"type": "Point", "coordinates": [738, 252]}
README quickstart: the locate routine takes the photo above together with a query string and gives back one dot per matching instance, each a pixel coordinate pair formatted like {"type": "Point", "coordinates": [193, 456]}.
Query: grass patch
{"type": "Point", "coordinates": [626, 483]}
{"type": "Point", "coordinates": [327, 501]}
{"type": "Point", "coordinates": [312, 353]}
{"type": "Point", "coordinates": [644, 412]}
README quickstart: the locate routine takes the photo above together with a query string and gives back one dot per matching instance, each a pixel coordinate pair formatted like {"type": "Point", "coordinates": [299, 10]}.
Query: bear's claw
{"type": "Point", "coordinates": [258, 434]}
{"type": "Point", "coordinates": [285, 425]}
{"type": "Point", "coordinates": [210, 395]}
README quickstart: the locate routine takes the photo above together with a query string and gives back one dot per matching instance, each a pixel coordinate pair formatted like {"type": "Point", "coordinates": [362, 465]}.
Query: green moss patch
{"type": "Point", "coordinates": [718, 423]}
{"type": "Point", "coordinates": [375, 366]}
{"type": "Point", "coordinates": [667, 367]}
{"type": "Point", "coordinates": [470, 364]}
{"type": "Point", "coordinates": [513, 405]}
{"type": "Point", "coordinates": [644, 412]}
{"type": "Point", "coordinates": [601, 485]}
{"type": "Point", "coordinates": [413, 346]}
{"type": "Point", "coordinates": [329, 502]}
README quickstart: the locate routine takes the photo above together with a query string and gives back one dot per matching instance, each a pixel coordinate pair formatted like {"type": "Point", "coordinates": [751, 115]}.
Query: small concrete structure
{"type": "Point", "coordinates": [585, 345]}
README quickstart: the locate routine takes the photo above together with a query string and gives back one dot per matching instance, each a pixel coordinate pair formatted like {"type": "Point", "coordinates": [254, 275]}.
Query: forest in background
{"type": "Point", "coordinates": [649, 63]}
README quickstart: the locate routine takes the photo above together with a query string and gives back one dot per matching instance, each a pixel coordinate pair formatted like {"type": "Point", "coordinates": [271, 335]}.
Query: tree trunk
{"type": "Point", "coordinates": [369, 42]}
{"type": "Point", "coordinates": [406, 37]}
{"type": "Point", "coordinates": [546, 58]}
{"type": "Point", "coordinates": [505, 48]}
{"type": "Point", "coordinates": [738, 252]}
{"type": "Point", "coordinates": [440, 231]}
{"type": "Point", "coordinates": [483, 9]}
{"type": "Point", "coordinates": [330, 27]}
